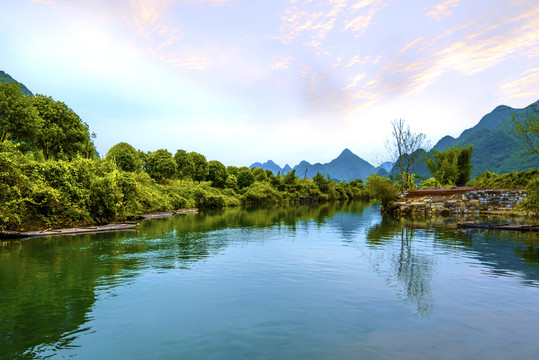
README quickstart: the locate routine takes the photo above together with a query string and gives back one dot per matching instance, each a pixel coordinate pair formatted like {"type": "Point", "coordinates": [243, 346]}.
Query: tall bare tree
{"type": "Point", "coordinates": [403, 148]}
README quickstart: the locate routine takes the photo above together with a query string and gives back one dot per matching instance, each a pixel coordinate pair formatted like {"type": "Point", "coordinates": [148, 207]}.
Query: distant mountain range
{"type": "Point", "coordinates": [346, 167]}
{"type": "Point", "coordinates": [494, 149]}
{"type": "Point", "coordinates": [7, 78]}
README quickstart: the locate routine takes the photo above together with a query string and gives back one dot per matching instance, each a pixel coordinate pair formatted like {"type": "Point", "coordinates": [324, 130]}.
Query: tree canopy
{"type": "Point", "coordinates": [160, 165]}
{"type": "Point", "coordinates": [200, 166]}
{"type": "Point", "coordinates": [452, 166]}
{"type": "Point", "coordinates": [63, 134]}
{"type": "Point", "coordinates": [525, 128]}
{"type": "Point", "coordinates": [19, 119]}
{"type": "Point", "coordinates": [217, 174]}
{"type": "Point", "coordinates": [125, 156]}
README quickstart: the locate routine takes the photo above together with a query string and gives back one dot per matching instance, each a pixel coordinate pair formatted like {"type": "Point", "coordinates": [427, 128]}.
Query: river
{"type": "Point", "coordinates": [336, 281]}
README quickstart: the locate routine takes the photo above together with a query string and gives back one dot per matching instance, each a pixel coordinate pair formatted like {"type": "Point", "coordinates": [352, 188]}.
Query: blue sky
{"type": "Point", "coordinates": [289, 80]}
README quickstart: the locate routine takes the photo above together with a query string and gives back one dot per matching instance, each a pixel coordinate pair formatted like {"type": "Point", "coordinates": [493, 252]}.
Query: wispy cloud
{"type": "Point", "coordinates": [439, 11]}
{"type": "Point", "coordinates": [163, 35]}
{"type": "Point", "coordinates": [485, 46]}
{"type": "Point", "coordinates": [525, 85]}
{"type": "Point", "coordinates": [211, 2]}
{"type": "Point", "coordinates": [281, 62]}
{"type": "Point", "coordinates": [44, 2]}
{"type": "Point", "coordinates": [360, 23]}
{"type": "Point", "coordinates": [409, 45]}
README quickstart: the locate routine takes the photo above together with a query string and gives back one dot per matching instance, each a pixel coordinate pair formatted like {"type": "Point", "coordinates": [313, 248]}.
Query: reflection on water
{"type": "Point", "coordinates": [50, 286]}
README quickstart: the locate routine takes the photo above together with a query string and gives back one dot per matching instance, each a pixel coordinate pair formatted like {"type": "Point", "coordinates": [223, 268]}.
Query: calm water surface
{"type": "Point", "coordinates": [337, 281]}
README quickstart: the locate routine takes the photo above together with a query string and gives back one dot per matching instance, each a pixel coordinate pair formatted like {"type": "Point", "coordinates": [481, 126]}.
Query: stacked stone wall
{"type": "Point", "coordinates": [472, 202]}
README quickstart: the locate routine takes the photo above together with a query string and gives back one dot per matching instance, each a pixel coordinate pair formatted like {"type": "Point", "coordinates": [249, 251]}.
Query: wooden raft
{"type": "Point", "coordinates": [69, 231]}
{"type": "Point", "coordinates": [474, 225]}
{"type": "Point", "coordinates": [166, 214]}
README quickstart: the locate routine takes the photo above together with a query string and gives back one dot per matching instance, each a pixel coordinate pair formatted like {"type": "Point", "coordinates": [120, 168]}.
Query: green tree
{"type": "Point", "coordinates": [531, 202]}
{"type": "Point", "coordinates": [322, 183]}
{"type": "Point", "coordinates": [245, 177]}
{"type": "Point", "coordinates": [185, 164]}
{"type": "Point", "coordinates": [290, 181]}
{"type": "Point", "coordinates": [452, 166]}
{"type": "Point", "coordinates": [405, 149]}
{"type": "Point", "coordinates": [464, 165]}
{"type": "Point", "coordinates": [525, 128]}
{"type": "Point", "coordinates": [125, 156]}
{"type": "Point", "coordinates": [232, 170]}
{"type": "Point", "coordinates": [217, 173]}
{"type": "Point", "coordinates": [63, 134]}
{"type": "Point", "coordinates": [382, 189]}
{"type": "Point", "coordinates": [259, 174]}
{"type": "Point", "coordinates": [19, 119]}
{"type": "Point", "coordinates": [160, 165]}
{"type": "Point", "coordinates": [200, 167]}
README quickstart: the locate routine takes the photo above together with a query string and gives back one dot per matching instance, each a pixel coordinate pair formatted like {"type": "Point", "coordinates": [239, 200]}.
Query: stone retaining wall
{"type": "Point", "coordinates": [470, 202]}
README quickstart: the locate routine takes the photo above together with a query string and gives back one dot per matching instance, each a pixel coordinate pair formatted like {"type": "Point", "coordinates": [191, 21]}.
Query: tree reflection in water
{"type": "Point", "coordinates": [410, 270]}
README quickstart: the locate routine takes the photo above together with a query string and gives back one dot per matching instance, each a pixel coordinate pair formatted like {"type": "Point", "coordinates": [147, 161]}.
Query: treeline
{"type": "Point", "coordinates": [51, 175]}
{"type": "Point", "coordinates": [37, 193]}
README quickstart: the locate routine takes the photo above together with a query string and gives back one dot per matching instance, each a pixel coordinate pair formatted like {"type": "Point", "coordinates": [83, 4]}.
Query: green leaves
{"type": "Point", "coordinates": [452, 166]}
{"type": "Point", "coordinates": [63, 134]}
{"type": "Point", "coordinates": [525, 128]}
{"type": "Point", "coordinates": [217, 174]}
{"type": "Point", "coordinates": [381, 189]}
{"type": "Point", "coordinates": [125, 156]}
{"type": "Point", "coordinates": [19, 119]}
{"type": "Point", "coordinates": [160, 165]}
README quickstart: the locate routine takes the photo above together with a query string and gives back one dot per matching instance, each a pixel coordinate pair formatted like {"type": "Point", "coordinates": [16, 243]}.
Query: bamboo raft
{"type": "Point", "coordinates": [476, 225]}
{"type": "Point", "coordinates": [8, 234]}
{"type": "Point", "coordinates": [166, 214]}
{"type": "Point", "coordinates": [69, 231]}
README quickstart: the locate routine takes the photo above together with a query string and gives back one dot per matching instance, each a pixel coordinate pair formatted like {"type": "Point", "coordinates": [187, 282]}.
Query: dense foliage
{"type": "Point", "coordinates": [36, 193]}
{"type": "Point", "coordinates": [381, 189]}
{"type": "Point", "coordinates": [452, 166]}
{"type": "Point", "coordinates": [51, 176]}
{"type": "Point", "coordinates": [42, 126]}
{"type": "Point", "coordinates": [525, 128]}
{"type": "Point", "coordinates": [519, 179]}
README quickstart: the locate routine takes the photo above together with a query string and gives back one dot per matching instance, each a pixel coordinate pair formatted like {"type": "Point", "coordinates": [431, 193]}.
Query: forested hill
{"type": "Point", "coordinates": [346, 167]}
{"type": "Point", "coordinates": [494, 149]}
{"type": "Point", "coordinates": [7, 78]}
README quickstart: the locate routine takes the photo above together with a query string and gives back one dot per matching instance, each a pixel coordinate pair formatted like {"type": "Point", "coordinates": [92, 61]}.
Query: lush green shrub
{"type": "Point", "coordinates": [511, 180]}
{"type": "Point", "coordinates": [382, 189]}
{"type": "Point", "coordinates": [245, 177]}
{"type": "Point", "coordinates": [430, 183]}
{"type": "Point", "coordinates": [161, 165]}
{"type": "Point", "coordinates": [207, 200]}
{"type": "Point", "coordinates": [531, 202]}
{"type": "Point", "coordinates": [125, 156]}
{"type": "Point", "coordinates": [261, 193]}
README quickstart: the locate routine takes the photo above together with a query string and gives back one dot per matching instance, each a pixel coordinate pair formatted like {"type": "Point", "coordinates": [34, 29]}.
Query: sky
{"type": "Point", "coordinates": [241, 81]}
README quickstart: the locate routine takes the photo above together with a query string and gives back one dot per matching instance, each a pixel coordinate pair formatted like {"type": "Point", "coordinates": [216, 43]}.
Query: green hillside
{"type": "Point", "coordinates": [494, 149]}
{"type": "Point", "coordinates": [7, 78]}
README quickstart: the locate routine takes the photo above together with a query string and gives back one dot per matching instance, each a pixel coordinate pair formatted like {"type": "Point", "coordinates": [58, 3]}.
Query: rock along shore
{"type": "Point", "coordinates": [457, 201]}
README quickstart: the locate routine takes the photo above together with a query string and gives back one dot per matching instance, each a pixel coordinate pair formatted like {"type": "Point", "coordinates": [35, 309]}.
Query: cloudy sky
{"type": "Point", "coordinates": [250, 80]}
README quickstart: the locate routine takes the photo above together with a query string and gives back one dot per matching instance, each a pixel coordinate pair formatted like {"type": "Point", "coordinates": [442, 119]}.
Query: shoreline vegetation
{"type": "Point", "coordinates": [52, 177]}
{"type": "Point", "coordinates": [40, 194]}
